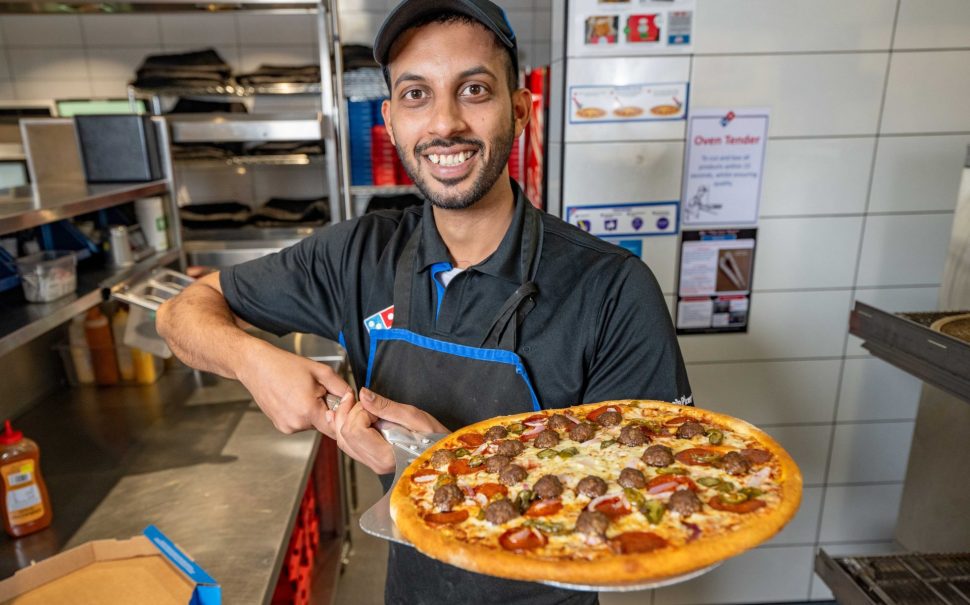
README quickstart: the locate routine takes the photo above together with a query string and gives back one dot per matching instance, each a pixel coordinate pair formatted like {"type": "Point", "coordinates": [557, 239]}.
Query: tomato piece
{"type": "Point", "coordinates": [528, 438]}
{"type": "Point", "coordinates": [676, 420]}
{"type": "Point", "coordinates": [461, 467]}
{"type": "Point", "coordinates": [592, 416]}
{"type": "Point", "coordinates": [636, 541]}
{"type": "Point", "coordinates": [613, 508]}
{"type": "Point", "coordinates": [522, 538]}
{"type": "Point", "coordinates": [669, 483]}
{"type": "Point", "coordinates": [543, 508]}
{"type": "Point", "coordinates": [455, 516]}
{"type": "Point", "coordinates": [423, 475]}
{"type": "Point", "coordinates": [490, 489]}
{"type": "Point", "coordinates": [756, 456]}
{"type": "Point", "coordinates": [748, 506]}
{"type": "Point", "coordinates": [697, 456]}
{"type": "Point", "coordinates": [472, 439]}
{"type": "Point", "coordinates": [533, 418]}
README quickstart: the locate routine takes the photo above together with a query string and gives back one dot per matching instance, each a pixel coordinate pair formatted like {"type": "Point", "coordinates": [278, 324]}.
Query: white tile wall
{"type": "Point", "coordinates": [867, 453]}
{"type": "Point", "coordinates": [860, 513]}
{"type": "Point", "coordinates": [117, 64]}
{"type": "Point", "coordinates": [904, 249]}
{"type": "Point", "coordinates": [254, 56]}
{"type": "Point", "coordinates": [790, 254]}
{"type": "Point", "coordinates": [602, 173]}
{"type": "Point", "coordinates": [42, 31]}
{"type": "Point", "coordinates": [808, 445]}
{"type": "Point", "coordinates": [802, 529]}
{"type": "Point", "coordinates": [760, 575]}
{"type": "Point", "coordinates": [198, 30]}
{"type": "Point", "coordinates": [816, 176]}
{"type": "Point", "coordinates": [277, 29]}
{"type": "Point", "coordinates": [772, 392]}
{"type": "Point", "coordinates": [917, 173]}
{"type": "Point", "coordinates": [928, 92]}
{"type": "Point", "coordinates": [660, 254]}
{"type": "Point", "coordinates": [809, 95]}
{"type": "Point", "coordinates": [936, 24]}
{"type": "Point", "coordinates": [47, 64]}
{"type": "Point", "coordinates": [783, 325]}
{"type": "Point", "coordinates": [797, 26]}
{"type": "Point", "coordinates": [874, 390]}
{"type": "Point", "coordinates": [121, 30]}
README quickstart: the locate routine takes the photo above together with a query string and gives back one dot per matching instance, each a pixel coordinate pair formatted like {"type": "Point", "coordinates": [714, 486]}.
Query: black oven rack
{"type": "Point", "coordinates": [905, 579]}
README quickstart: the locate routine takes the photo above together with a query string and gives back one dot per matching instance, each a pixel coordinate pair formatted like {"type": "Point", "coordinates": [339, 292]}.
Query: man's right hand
{"type": "Point", "coordinates": [291, 389]}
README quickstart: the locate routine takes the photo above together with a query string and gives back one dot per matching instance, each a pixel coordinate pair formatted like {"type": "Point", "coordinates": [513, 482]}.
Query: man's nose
{"type": "Point", "coordinates": [446, 119]}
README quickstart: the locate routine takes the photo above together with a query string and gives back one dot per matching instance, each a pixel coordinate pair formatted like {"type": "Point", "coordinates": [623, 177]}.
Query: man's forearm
{"type": "Point", "coordinates": [202, 331]}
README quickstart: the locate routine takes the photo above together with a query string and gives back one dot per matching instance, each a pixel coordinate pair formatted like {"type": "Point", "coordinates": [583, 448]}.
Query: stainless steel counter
{"type": "Point", "coordinates": [217, 478]}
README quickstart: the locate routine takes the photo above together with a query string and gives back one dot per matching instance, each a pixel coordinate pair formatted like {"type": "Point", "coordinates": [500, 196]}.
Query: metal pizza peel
{"type": "Point", "coordinates": [408, 445]}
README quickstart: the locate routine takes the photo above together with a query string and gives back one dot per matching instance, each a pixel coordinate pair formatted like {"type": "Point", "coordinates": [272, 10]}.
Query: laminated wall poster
{"type": "Point", "coordinates": [714, 289]}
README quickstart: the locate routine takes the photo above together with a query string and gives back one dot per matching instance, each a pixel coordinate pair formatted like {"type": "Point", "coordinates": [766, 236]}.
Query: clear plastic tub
{"type": "Point", "coordinates": [48, 275]}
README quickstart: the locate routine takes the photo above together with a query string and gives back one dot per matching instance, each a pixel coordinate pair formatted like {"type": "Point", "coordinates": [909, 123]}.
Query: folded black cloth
{"type": "Point", "coordinates": [192, 69]}
{"type": "Point", "coordinates": [285, 148]}
{"type": "Point", "coordinates": [289, 211]}
{"type": "Point", "coordinates": [281, 74]}
{"type": "Point", "coordinates": [215, 215]}
{"type": "Point", "coordinates": [199, 106]}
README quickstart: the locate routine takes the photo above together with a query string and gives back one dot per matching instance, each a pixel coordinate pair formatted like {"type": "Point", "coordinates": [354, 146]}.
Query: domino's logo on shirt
{"type": "Point", "coordinates": [382, 320]}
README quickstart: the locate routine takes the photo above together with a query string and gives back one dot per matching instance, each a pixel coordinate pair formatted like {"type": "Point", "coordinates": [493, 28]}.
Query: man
{"type": "Point", "coordinates": [473, 306]}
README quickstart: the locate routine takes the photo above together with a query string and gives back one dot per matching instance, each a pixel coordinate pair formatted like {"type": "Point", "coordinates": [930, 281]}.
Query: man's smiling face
{"type": "Point", "coordinates": [451, 114]}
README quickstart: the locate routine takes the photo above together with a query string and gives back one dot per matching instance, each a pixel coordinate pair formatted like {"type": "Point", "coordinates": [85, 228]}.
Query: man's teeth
{"type": "Point", "coordinates": [452, 159]}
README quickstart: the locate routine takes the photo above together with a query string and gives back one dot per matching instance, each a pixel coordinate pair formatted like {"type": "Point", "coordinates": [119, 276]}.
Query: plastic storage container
{"type": "Point", "coordinates": [48, 275]}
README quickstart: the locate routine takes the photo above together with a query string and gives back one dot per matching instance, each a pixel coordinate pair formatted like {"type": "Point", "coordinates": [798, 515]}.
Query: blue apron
{"type": "Point", "coordinates": [458, 385]}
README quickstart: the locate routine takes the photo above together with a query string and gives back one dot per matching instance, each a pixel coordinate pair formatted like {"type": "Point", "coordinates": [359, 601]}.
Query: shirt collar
{"type": "Point", "coordinates": [504, 263]}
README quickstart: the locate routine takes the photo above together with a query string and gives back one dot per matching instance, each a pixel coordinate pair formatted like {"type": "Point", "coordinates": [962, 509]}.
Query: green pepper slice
{"type": "Point", "coordinates": [476, 461]}
{"type": "Point", "coordinates": [607, 443]}
{"type": "Point", "coordinates": [461, 452]}
{"type": "Point", "coordinates": [709, 481]}
{"type": "Point", "coordinates": [715, 437]}
{"type": "Point", "coordinates": [516, 428]}
{"type": "Point", "coordinates": [733, 497]}
{"type": "Point", "coordinates": [569, 452]}
{"type": "Point", "coordinates": [672, 470]}
{"type": "Point", "coordinates": [654, 511]}
{"type": "Point", "coordinates": [547, 453]}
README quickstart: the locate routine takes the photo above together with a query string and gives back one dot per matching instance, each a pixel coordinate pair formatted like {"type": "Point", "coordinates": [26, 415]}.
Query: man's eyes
{"type": "Point", "coordinates": [474, 90]}
{"type": "Point", "coordinates": [414, 94]}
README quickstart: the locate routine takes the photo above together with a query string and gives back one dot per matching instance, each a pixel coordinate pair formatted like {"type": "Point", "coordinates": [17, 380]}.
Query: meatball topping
{"type": "Point", "coordinates": [591, 486]}
{"type": "Point", "coordinates": [631, 477]}
{"type": "Point", "coordinates": [690, 429]}
{"type": "Point", "coordinates": [509, 447]}
{"type": "Point", "coordinates": [593, 524]}
{"type": "Point", "coordinates": [581, 432]}
{"type": "Point", "coordinates": [658, 455]}
{"type": "Point", "coordinates": [546, 439]}
{"type": "Point", "coordinates": [609, 418]}
{"type": "Point", "coordinates": [443, 457]}
{"type": "Point", "coordinates": [559, 422]}
{"type": "Point", "coordinates": [500, 511]}
{"type": "Point", "coordinates": [548, 487]}
{"type": "Point", "coordinates": [734, 463]}
{"type": "Point", "coordinates": [512, 474]}
{"type": "Point", "coordinates": [632, 435]}
{"type": "Point", "coordinates": [684, 502]}
{"type": "Point", "coordinates": [496, 463]}
{"type": "Point", "coordinates": [448, 496]}
{"type": "Point", "coordinates": [496, 432]}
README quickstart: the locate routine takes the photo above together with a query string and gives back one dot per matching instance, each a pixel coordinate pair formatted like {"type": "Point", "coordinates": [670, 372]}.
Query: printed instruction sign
{"type": "Point", "coordinates": [630, 27]}
{"type": "Point", "coordinates": [714, 291]}
{"type": "Point", "coordinates": [724, 166]}
{"type": "Point", "coordinates": [626, 220]}
{"type": "Point", "coordinates": [627, 103]}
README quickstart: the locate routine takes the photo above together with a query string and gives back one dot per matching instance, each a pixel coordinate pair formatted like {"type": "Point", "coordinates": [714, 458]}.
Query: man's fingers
{"type": "Point", "coordinates": [401, 413]}
{"type": "Point", "coordinates": [332, 381]}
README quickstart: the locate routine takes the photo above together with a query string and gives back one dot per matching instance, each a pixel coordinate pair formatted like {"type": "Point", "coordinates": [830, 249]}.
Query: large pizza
{"type": "Point", "coordinates": [606, 494]}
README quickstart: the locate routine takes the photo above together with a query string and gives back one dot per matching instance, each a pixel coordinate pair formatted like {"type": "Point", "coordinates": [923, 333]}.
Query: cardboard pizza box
{"type": "Point", "coordinates": [147, 569]}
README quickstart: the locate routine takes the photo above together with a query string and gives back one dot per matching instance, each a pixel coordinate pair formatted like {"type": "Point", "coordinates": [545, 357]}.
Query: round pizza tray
{"type": "Point", "coordinates": [957, 326]}
{"type": "Point", "coordinates": [634, 587]}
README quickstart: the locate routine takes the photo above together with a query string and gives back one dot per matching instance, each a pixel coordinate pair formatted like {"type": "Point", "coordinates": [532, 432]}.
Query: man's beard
{"type": "Point", "coordinates": [454, 200]}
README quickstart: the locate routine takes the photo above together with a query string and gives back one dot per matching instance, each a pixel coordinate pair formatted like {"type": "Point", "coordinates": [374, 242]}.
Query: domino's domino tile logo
{"type": "Point", "coordinates": [382, 320]}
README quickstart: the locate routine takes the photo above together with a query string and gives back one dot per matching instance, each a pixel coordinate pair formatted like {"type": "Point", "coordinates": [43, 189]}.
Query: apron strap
{"type": "Point", "coordinates": [503, 332]}
{"type": "Point", "coordinates": [403, 279]}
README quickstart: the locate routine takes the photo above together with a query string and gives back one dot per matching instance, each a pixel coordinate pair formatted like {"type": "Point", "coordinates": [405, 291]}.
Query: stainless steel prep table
{"type": "Point", "coordinates": [217, 478]}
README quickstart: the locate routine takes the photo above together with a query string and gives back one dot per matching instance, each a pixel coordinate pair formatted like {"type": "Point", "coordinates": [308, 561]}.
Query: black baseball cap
{"type": "Point", "coordinates": [409, 12]}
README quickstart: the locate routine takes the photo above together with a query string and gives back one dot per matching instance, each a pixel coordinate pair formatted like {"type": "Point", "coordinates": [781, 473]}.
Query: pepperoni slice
{"type": "Point", "coordinates": [424, 476]}
{"type": "Point", "coordinates": [533, 418]}
{"type": "Point", "coordinates": [756, 456]}
{"type": "Point", "coordinates": [748, 506]}
{"type": "Point", "coordinates": [613, 508]}
{"type": "Point", "coordinates": [592, 416]}
{"type": "Point", "coordinates": [522, 538]}
{"type": "Point", "coordinates": [669, 483]}
{"type": "Point", "coordinates": [636, 541]}
{"type": "Point", "coordinates": [543, 508]}
{"type": "Point", "coordinates": [697, 456]}
{"type": "Point", "coordinates": [676, 420]}
{"type": "Point", "coordinates": [490, 489]}
{"type": "Point", "coordinates": [461, 467]}
{"type": "Point", "coordinates": [472, 439]}
{"type": "Point", "coordinates": [455, 516]}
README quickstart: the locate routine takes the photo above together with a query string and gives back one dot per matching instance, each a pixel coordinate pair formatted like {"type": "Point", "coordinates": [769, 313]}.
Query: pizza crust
{"type": "Point", "coordinates": [618, 570]}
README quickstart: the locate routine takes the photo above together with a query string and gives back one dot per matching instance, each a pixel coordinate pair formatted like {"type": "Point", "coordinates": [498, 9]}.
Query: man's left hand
{"type": "Point", "coordinates": [407, 416]}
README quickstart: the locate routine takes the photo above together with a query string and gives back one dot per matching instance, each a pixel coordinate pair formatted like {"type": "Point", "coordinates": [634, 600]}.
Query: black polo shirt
{"type": "Point", "coordinates": [600, 328]}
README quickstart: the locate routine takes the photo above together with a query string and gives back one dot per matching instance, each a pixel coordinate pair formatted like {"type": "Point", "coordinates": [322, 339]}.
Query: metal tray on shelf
{"type": "Point", "coordinates": [906, 341]}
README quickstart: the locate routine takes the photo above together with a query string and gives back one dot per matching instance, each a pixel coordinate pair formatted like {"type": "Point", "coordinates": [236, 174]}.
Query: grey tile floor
{"type": "Point", "coordinates": [362, 580]}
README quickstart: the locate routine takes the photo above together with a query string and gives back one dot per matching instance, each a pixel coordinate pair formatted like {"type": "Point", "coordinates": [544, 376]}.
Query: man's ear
{"type": "Point", "coordinates": [521, 109]}
{"type": "Point", "coordinates": [386, 112]}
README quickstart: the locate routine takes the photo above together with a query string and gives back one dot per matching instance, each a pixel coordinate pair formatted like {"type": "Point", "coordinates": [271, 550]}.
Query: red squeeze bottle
{"type": "Point", "coordinates": [97, 330]}
{"type": "Point", "coordinates": [23, 495]}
